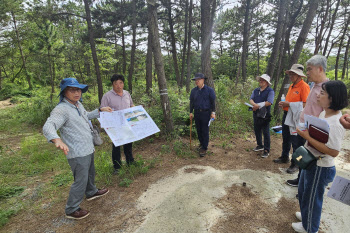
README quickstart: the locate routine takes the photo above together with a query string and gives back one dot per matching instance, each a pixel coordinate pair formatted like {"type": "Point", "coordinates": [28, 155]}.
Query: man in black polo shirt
{"type": "Point", "coordinates": [202, 101]}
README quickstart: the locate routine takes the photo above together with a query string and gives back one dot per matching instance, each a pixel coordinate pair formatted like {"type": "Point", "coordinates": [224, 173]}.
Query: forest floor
{"type": "Point", "coordinates": [232, 189]}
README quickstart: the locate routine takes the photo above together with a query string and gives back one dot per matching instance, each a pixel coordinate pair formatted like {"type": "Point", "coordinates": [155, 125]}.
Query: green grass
{"type": "Point", "coordinates": [127, 173]}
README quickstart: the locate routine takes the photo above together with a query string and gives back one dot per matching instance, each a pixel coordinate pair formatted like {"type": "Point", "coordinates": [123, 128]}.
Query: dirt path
{"type": "Point", "coordinates": [196, 195]}
{"type": "Point", "coordinates": [6, 104]}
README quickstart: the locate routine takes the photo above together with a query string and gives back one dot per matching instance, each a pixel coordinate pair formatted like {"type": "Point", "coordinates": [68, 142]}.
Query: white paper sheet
{"type": "Point", "coordinates": [128, 125]}
{"type": "Point", "coordinates": [319, 123]}
{"type": "Point", "coordinates": [340, 190]}
{"type": "Point", "coordinates": [248, 104]}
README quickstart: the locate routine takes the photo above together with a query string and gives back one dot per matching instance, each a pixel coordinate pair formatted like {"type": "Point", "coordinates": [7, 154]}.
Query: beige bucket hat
{"type": "Point", "coordinates": [265, 77]}
{"type": "Point", "coordinates": [298, 69]}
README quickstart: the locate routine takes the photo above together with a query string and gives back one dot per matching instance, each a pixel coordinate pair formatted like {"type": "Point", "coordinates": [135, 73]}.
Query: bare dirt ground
{"type": "Point", "coordinates": [232, 189]}
{"type": "Point", "coordinates": [5, 104]}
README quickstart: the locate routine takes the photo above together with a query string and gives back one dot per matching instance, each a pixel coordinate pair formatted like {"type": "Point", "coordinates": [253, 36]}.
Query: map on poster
{"type": "Point", "coordinates": [128, 125]}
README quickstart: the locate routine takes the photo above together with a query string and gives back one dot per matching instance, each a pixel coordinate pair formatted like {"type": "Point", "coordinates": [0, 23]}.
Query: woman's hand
{"type": "Point", "coordinates": [303, 133]}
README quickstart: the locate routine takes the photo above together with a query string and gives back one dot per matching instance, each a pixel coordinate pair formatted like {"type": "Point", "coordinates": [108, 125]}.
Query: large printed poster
{"type": "Point", "coordinates": [128, 125]}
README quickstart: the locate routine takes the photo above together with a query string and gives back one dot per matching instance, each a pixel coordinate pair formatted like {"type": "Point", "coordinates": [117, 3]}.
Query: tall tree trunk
{"type": "Point", "coordinates": [346, 58]}
{"type": "Point", "coordinates": [319, 34]}
{"type": "Point", "coordinates": [158, 60]}
{"type": "Point", "coordinates": [258, 57]}
{"type": "Point", "coordinates": [21, 51]}
{"type": "Point", "coordinates": [184, 45]}
{"type": "Point", "coordinates": [313, 4]}
{"type": "Point", "coordinates": [133, 46]}
{"type": "Point", "coordinates": [334, 16]}
{"type": "Point", "coordinates": [277, 40]}
{"type": "Point", "coordinates": [345, 30]}
{"type": "Point", "coordinates": [173, 42]}
{"type": "Point", "coordinates": [93, 49]}
{"type": "Point", "coordinates": [116, 66]}
{"type": "Point", "coordinates": [149, 64]}
{"type": "Point", "coordinates": [245, 40]}
{"type": "Point", "coordinates": [51, 75]}
{"type": "Point", "coordinates": [208, 8]}
{"type": "Point", "coordinates": [123, 47]}
{"type": "Point", "coordinates": [0, 79]}
{"type": "Point", "coordinates": [188, 77]}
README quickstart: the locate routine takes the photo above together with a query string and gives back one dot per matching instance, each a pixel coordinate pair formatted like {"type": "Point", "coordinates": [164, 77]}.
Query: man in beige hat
{"type": "Point", "coordinates": [298, 92]}
{"type": "Point", "coordinates": [262, 99]}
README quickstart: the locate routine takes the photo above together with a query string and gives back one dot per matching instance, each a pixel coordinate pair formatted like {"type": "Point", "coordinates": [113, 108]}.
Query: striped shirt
{"type": "Point", "coordinates": [74, 129]}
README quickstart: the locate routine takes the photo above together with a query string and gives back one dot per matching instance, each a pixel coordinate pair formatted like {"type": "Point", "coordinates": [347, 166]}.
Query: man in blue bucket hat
{"type": "Point", "coordinates": [71, 119]}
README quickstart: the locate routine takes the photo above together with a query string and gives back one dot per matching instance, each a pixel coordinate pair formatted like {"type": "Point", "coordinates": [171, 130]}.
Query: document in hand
{"type": "Point", "coordinates": [340, 190]}
{"type": "Point", "coordinates": [128, 125]}
{"type": "Point", "coordinates": [318, 129]}
{"type": "Point", "coordinates": [315, 121]}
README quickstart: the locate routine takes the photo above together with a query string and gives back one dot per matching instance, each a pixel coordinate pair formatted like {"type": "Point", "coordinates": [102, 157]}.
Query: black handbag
{"type": "Point", "coordinates": [304, 158]}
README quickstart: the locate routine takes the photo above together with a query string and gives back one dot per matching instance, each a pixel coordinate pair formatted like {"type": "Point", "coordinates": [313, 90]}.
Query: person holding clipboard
{"type": "Point", "coordinates": [314, 180]}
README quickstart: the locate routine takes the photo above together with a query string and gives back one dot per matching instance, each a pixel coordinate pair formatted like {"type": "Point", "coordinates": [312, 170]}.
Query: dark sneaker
{"type": "Point", "coordinates": [202, 152]}
{"type": "Point", "coordinates": [292, 169]}
{"type": "Point", "coordinates": [258, 148]}
{"type": "Point", "coordinates": [281, 160]}
{"type": "Point", "coordinates": [265, 154]}
{"type": "Point", "coordinates": [78, 214]}
{"type": "Point", "coordinates": [116, 171]}
{"type": "Point", "coordinates": [293, 183]}
{"type": "Point", "coordinates": [99, 193]}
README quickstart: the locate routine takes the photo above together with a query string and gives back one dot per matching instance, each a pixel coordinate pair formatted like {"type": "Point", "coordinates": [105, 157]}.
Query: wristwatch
{"type": "Point", "coordinates": [99, 109]}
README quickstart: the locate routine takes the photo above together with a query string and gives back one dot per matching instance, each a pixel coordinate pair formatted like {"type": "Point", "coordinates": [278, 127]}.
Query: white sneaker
{"type": "Point", "coordinates": [298, 215]}
{"type": "Point", "coordinates": [298, 227]}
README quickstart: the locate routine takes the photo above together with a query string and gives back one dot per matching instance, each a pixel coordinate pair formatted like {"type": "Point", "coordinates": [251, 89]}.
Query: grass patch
{"type": "Point", "coordinates": [5, 215]}
{"type": "Point", "coordinates": [62, 179]}
{"type": "Point", "coordinates": [9, 191]}
{"type": "Point", "coordinates": [140, 166]}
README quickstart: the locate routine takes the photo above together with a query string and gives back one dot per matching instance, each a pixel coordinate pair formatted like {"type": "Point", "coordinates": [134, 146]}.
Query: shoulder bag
{"type": "Point", "coordinates": [304, 158]}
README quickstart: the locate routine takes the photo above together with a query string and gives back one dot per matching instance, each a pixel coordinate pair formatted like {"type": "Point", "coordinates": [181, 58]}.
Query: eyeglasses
{"type": "Point", "coordinates": [73, 90]}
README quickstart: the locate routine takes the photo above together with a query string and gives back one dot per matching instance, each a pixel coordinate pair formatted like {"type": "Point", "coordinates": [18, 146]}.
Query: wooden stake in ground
{"type": "Point", "coordinates": [190, 133]}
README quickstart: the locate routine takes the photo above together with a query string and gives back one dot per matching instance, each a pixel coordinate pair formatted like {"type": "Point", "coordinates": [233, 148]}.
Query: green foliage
{"type": "Point", "coordinates": [104, 167]}
{"type": "Point", "coordinates": [5, 215]}
{"type": "Point", "coordinates": [9, 191]}
{"type": "Point", "coordinates": [62, 179]}
{"type": "Point", "coordinates": [128, 173]}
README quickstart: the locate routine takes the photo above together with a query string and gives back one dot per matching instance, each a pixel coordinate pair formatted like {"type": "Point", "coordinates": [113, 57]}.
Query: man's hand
{"type": "Point", "coordinates": [255, 107]}
{"type": "Point", "coordinates": [345, 121]}
{"type": "Point", "coordinates": [60, 145]}
{"type": "Point", "coordinates": [283, 104]}
{"type": "Point", "coordinates": [191, 116]}
{"type": "Point", "coordinates": [212, 116]}
{"type": "Point", "coordinates": [106, 109]}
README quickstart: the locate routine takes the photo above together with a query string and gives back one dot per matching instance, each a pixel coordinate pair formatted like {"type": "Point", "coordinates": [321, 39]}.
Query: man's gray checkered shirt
{"type": "Point", "coordinates": [74, 129]}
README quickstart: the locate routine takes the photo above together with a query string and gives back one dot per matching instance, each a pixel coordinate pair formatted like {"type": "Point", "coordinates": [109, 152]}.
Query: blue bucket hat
{"type": "Point", "coordinates": [71, 82]}
{"type": "Point", "coordinates": [198, 76]}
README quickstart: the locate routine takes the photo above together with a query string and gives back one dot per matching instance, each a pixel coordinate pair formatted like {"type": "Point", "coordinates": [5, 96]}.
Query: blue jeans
{"type": "Point", "coordinates": [260, 129]}
{"type": "Point", "coordinates": [312, 185]}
